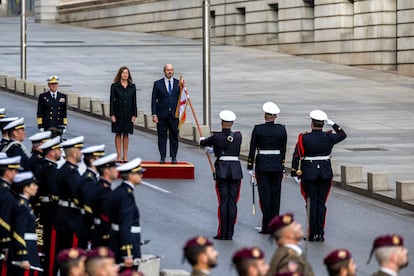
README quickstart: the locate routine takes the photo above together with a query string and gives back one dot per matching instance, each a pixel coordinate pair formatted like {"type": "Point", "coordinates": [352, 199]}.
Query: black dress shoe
{"type": "Point", "coordinates": [162, 160]}
{"type": "Point", "coordinates": [222, 238]}
{"type": "Point", "coordinates": [319, 238]}
{"type": "Point", "coordinates": [174, 160]}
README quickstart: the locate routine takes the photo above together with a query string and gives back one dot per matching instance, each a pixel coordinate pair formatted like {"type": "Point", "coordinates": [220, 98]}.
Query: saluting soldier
{"type": "Point", "coordinates": [52, 107]}
{"type": "Point", "coordinates": [125, 235]}
{"type": "Point", "coordinates": [268, 140]}
{"type": "Point", "coordinates": [47, 201]}
{"type": "Point", "coordinates": [8, 205]}
{"type": "Point", "coordinates": [99, 200]}
{"type": "Point", "coordinates": [311, 162]}
{"type": "Point", "coordinates": [24, 257]}
{"type": "Point", "coordinates": [86, 188]}
{"type": "Point", "coordinates": [226, 145]}
{"type": "Point", "coordinates": [4, 136]}
{"type": "Point", "coordinates": [288, 256]}
{"type": "Point", "coordinates": [15, 147]}
{"type": "Point", "coordinates": [68, 181]}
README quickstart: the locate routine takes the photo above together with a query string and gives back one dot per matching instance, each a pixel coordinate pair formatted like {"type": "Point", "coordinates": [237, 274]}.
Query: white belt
{"type": "Point", "coordinates": [65, 203]}
{"type": "Point", "coordinates": [313, 158]}
{"type": "Point", "coordinates": [134, 229]}
{"type": "Point", "coordinates": [30, 237]}
{"type": "Point", "coordinates": [229, 158]}
{"type": "Point", "coordinates": [265, 152]}
{"type": "Point", "coordinates": [82, 211]}
{"type": "Point", "coordinates": [44, 199]}
{"type": "Point", "coordinates": [97, 221]}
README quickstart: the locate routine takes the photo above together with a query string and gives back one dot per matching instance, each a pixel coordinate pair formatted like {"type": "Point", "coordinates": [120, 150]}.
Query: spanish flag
{"type": "Point", "coordinates": [181, 111]}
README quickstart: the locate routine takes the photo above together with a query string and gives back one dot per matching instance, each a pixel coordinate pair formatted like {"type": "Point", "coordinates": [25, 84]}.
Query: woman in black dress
{"type": "Point", "coordinates": [123, 110]}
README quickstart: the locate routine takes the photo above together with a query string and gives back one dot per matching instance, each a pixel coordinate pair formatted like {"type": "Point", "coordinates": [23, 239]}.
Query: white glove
{"type": "Point", "coordinates": [251, 173]}
{"type": "Point", "coordinates": [208, 150]}
{"type": "Point", "coordinates": [329, 122]}
{"type": "Point", "coordinates": [41, 129]}
{"type": "Point", "coordinates": [297, 180]}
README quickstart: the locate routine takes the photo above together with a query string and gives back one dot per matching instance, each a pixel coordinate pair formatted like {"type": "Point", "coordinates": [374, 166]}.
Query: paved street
{"type": "Point", "coordinates": [179, 209]}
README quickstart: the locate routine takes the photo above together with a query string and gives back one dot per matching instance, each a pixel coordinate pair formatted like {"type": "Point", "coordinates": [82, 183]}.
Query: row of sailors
{"type": "Point", "coordinates": [71, 210]}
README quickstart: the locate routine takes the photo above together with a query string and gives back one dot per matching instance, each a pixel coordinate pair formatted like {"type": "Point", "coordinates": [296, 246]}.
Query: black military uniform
{"type": "Point", "coordinates": [312, 157]}
{"type": "Point", "coordinates": [24, 231]}
{"type": "Point", "coordinates": [14, 147]}
{"type": "Point", "coordinates": [68, 211]}
{"type": "Point", "coordinates": [269, 141]}
{"type": "Point", "coordinates": [103, 193]}
{"type": "Point", "coordinates": [125, 235]}
{"type": "Point", "coordinates": [226, 145]}
{"type": "Point", "coordinates": [51, 111]}
{"type": "Point", "coordinates": [3, 122]}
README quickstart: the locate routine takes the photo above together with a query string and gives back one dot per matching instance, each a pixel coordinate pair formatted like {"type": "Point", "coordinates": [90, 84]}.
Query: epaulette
{"type": "Point", "coordinates": [129, 190]}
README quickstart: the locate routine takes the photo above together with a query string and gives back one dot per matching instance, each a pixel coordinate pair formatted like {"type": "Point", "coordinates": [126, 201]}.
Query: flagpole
{"type": "Point", "coordinates": [200, 132]}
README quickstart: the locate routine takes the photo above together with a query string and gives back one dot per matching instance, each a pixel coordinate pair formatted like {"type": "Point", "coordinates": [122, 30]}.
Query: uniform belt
{"type": "Point", "coordinates": [68, 204]}
{"type": "Point", "coordinates": [229, 158]}
{"type": "Point", "coordinates": [314, 158]}
{"type": "Point", "coordinates": [30, 237]}
{"type": "Point", "coordinates": [265, 152]}
{"type": "Point", "coordinates": [97, 221]}
{"type": "Point", "coordinates": [82, 211]}
{"type": "Point", "coordinates": [44, 199]}
{"type": "Point", "coordinates": [134, 229]}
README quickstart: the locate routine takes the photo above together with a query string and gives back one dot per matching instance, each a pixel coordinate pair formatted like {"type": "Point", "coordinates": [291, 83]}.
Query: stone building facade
{"type": "Point", "coordinates": [376, 34]}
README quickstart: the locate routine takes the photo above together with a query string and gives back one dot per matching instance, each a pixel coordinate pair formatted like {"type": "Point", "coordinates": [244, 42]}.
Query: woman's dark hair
{"type": "Point", "coordinates": [118, 75]}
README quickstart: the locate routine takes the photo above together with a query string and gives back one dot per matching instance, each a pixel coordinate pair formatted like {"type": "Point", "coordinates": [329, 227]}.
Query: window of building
{"type": "Point", "coordinates": [273, 23]}
{"type": "Point", "coordinates": [212, 23]}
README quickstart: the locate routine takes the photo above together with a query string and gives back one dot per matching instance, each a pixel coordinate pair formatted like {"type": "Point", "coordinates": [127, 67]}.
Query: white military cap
{"type": "Point", "coordinates": [98, 150]}
{"type": "Point", "coordinates": [76, 142]}
{"type": "Point", "coordinates": [24, 177]}
{"type": "Point", "coordinates": [318, 115]}
{"type": "Point", "coordinates": [53, 79]}
{"type": "Point", "coordinates": [16, 124]}
{"type": "Point", "coordinates": [40, 137]}
{"type": "Point", "coordinates": [11, 162]}
{"type": "Point", "coordinates": [3, 155]}
{"type": "Point", "coordinates": [227, 115]}
{"type": "Point", "coordinates": [106, 161]}
{"type": "Point", "coordinates": [271, 108]}
{"type": "Point", "coordinates": [53, 143]}
{"type": "Point", "coordinates": [2, 112]}
{"type": "Point", "coordinates": [133, 166]}
{"type": "Point", "coordinates": [5, 120]}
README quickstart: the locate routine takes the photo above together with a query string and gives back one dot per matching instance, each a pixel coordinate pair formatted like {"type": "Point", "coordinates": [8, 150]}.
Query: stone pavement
{"type": "Point", "coordinates": [375, 108]}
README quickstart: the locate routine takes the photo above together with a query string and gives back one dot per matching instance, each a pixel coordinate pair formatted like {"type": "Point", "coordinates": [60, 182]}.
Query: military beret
{"type": "Point", "coordinates": [98, 150]}
{"type": "Point", "coordinates": [16, 124]}
{"type": "Point", "coordinates": [197, 241]}
{"type": "Point", "coordinates": [248, 253]}
{"type": "Point", "coordinates": [337, 256]}
{"type": "Point", "coordinates": [42, 136]}
{"type": "Point", "coordinates": [70, 254]}
{"type": "Point", "coordinates": [100, 252]}
{"type": "Point", "coordinates": [271, 108]}
{"type": "Point", "coordinates": [227, 116]}
{"type": "Point", "coordinates": [53, 79]}
{"type": "Point", "coordinates": [318, 115]}
{"type": "Point", "coordinates": [388, 240]}
{"type": "Point", "coordinates": [11, 163]}
{"type": "Point", "coordinates": [106, 161]}
{"type": "Point", "coordinates": [76, 142]}
{"type": "Point", "coordinates": [279, 222]}
{"type": "Point", "coordinates": [133, 166]}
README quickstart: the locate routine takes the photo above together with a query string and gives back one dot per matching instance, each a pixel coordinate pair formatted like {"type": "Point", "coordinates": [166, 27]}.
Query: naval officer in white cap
{"type": "Point", "coordinates": [226, 146]}
{"type": "Point", "coordinates": [268, 145]}
{"type": "Point", "coordinates": [311, 162]}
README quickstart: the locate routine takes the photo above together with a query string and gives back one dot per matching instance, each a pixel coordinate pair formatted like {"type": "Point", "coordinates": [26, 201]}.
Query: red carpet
{"type": "Point", "coordinates": [181, 170]}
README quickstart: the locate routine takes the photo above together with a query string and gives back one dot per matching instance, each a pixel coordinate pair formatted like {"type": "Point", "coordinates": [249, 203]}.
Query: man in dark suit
{"type": "Point", "coordinates": [51, 107]}
{"type": "Point", "coordinates": [165, 95]}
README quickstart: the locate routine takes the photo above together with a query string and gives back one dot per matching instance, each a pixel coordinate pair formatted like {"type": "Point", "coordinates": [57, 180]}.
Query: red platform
{"type": "Point", "coordinates": [181, 170]}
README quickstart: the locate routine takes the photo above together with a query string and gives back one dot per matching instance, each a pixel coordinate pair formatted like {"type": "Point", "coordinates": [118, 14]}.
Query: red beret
{"type": "Point", "coordinates": [336, 256]}
{"type": "Point", "coordinates": [70, 254]}
{"type": "Point", "coordinates": [279, 222]}
{"type": "Point", "coordinates": [288, 273]}
{"type": "Point", "coordinates": [198, 241]}
{"type": "Point", "coordinates": [101, 252]}
{"type": "Point", "coordinates": [251, 253]}
{"type": "Point", "coordinates": [388, 240]}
